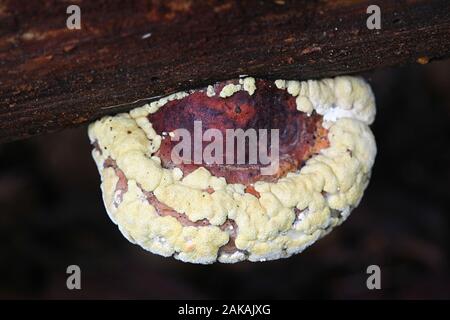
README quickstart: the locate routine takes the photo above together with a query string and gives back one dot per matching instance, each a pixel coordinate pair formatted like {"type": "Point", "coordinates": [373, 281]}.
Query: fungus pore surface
{"type": "Point", "coordinates": [201, 211]}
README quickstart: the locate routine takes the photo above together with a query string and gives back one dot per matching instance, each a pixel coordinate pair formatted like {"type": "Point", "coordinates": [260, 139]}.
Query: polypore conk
{"type": "Point", "coordinates": [187, 175]}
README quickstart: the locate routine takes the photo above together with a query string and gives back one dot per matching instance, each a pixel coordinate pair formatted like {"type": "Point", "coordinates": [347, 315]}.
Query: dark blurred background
{"type": "Point", "coordinates": [52, 216]}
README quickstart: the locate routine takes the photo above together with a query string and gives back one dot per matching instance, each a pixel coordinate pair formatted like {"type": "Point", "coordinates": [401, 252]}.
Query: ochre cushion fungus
{"type": "Point", "coordinates": [202, 200]}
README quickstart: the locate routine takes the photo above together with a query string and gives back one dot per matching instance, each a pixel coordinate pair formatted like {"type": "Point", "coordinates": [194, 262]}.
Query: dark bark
{"type": "Point", "coordinates": [53, 78]}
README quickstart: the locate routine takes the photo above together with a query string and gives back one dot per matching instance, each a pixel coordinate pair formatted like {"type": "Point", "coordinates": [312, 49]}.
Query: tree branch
{"type": "Point", "coordinates": [52, 77]}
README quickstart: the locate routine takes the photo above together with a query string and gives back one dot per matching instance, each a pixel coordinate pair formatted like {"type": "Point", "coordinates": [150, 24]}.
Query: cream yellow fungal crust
{"type": "Point", "coordinates": [341, 97]}
{"type": "Point", "coordinates": [229, 90]}
{"type": "Point", "coordinates": [324, 190]}
{"type": "Point", "coordinates": [210, 92]}
{"type": "Point", "coordinates": [247, 84]}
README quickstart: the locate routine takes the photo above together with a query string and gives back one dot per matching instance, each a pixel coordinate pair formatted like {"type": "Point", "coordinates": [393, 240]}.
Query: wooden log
{"type": "Point", "coordinates": [128, 52]}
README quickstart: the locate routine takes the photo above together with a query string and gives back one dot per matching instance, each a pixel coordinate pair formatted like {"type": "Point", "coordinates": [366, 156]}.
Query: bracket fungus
{"type": "Point", "coordinates": [245, 169]}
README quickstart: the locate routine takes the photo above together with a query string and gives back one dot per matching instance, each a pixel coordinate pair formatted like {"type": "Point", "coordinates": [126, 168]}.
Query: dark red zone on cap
{"type": "Point", "coordinates": [300, 135]}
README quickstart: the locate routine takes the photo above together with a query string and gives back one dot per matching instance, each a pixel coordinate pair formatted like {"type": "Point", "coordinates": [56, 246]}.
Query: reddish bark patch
{"type": "Point", "coordinates": [122, 183]}
{"type": "Point", "coordinates": [300, 135]}
{"type": "Point", "coordinates": [251, 189]}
